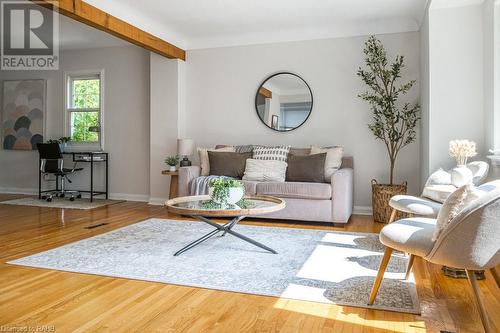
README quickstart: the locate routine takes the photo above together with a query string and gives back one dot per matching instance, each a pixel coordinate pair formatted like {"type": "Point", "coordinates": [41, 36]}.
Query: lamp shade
{"type": "Point", "coordinates": [185, 147]}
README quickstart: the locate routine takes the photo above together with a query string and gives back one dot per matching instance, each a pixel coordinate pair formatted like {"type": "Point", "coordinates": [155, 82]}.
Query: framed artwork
{"type": "Point", "coordinates": [23, 114]}
{"type": "Point", "coordinates": [274, 122]}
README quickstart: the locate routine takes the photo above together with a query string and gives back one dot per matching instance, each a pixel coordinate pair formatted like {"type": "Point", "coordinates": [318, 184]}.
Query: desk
{"type": "Point", "coordinates": [81, 157]}
{"type": "Point", "coordinates": [174, 182]}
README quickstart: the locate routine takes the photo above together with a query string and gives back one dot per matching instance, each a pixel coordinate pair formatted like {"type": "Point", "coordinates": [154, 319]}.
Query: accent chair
{"type": "Point", "coordinates": [471, 241]}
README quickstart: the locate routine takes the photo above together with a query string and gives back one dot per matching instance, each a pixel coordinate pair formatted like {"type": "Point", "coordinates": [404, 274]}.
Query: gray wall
{"type": "Point", "coordinates": [456, 81]}
{"type": "Point", "coordinates": [126, 116]}
{"type": "Point", "coordinates": [167, 116]}
{"type": "Point", "coordinates": [222, 83]}
{"type": "Point", "coordinates": [425, 92]}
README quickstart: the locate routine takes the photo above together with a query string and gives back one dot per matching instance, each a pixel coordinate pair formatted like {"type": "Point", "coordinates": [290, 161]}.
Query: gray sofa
{"type": "Point", "coordinates": [319, 202]}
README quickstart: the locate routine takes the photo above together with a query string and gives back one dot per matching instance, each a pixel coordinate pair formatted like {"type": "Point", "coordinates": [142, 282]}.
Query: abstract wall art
{"type": "Point", "coordinates": [23, 114]}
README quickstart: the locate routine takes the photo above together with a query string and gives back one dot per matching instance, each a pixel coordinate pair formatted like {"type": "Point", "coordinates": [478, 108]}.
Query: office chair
{"type": "Point", "coordinates": [52, 163]}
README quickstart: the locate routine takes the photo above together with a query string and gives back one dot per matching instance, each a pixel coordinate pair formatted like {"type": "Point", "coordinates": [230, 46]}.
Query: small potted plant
{"type": "Point", "coordinates": [172, 161]}
{"type": "Point", "coordinates": [63, 142]}
{"type": "Point", "coordinates": [225, 191]}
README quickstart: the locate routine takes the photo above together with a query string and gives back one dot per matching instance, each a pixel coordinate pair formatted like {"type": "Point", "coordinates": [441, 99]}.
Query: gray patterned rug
{"type": "Point", "coordinates": [312, 265]}
{"type": "Point", "coordinates": [61, 203]}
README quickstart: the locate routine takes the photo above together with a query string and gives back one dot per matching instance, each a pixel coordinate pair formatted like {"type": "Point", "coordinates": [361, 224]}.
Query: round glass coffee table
{"type": "Point", "coordinates": [196, 206]}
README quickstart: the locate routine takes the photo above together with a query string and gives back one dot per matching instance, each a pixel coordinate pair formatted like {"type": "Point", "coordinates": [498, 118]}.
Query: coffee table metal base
{"type": "Point", "coordinates": [224, 228]}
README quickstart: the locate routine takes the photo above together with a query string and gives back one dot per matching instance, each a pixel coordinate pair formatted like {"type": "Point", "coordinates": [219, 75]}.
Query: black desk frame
{"type": "Point", "coordinates": [77, 158]}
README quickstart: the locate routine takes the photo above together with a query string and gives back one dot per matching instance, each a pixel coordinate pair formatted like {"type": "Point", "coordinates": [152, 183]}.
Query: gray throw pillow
{"type": "Point", "coordinates": [228, 163]}
{"type": "Point", "coordinates": [243, 149]}
{"type": "Point", "coordinates": [308, 168]}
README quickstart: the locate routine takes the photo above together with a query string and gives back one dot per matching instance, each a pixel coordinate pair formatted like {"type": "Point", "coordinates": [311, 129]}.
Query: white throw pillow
{"type": "Point", "coordinates": [204, 162]}
{"type": "Point", "coordinates": [461, 176]}
{"type": "Point", "coordinates": [455, 203]}
{"type": "Point", "coordinates": [438, 186]}
{"type": "Point", "coordinates": [276, 153]}
{"type": "Point", "coordinates": [333, 159]}
{"type": "Point", "coordinates": [265, 170]}
{"type": "Point", "coordinates": [439, 177]}
{"type": "Point", "coordinates": [438, 193]}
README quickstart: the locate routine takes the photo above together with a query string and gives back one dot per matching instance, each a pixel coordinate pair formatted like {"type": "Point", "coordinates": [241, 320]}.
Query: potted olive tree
{"type": "Point", "coordinates": [394, 121]}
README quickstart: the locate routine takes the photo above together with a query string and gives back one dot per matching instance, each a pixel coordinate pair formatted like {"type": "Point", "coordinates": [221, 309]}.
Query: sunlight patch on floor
{"type": "Point", "coordinates": [376, 319]}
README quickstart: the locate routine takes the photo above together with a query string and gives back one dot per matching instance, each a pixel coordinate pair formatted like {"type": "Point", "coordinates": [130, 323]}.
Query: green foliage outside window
{"type": "Point", "coordinates": [85, 95]}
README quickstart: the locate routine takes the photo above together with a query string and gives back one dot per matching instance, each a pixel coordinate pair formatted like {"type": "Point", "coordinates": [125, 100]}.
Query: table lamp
{"type": "Point", "coordinates": [185, 148]}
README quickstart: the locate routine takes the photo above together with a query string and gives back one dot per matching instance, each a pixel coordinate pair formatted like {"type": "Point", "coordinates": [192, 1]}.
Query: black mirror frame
{"type": "Point", "coordinates": [270, 77]}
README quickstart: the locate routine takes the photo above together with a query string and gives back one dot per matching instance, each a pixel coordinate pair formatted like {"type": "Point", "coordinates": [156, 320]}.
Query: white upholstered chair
{"type": "Point", "coordinates": [471, 241]}
{"type": "Point", "coordinates": [420, 206]}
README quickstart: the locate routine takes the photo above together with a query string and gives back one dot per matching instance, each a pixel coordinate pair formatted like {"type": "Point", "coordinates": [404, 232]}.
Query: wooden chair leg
{"type": "Point", "coordinates": [380, 275]}
{"type": "Point", "coordinates": [409, 266]}
{"type": "Point", "coordinates": [393, 216]}
{"type": "Point", "coordinates": [477, 297]}
{"type": "Point", "coordinates": [494, 272]}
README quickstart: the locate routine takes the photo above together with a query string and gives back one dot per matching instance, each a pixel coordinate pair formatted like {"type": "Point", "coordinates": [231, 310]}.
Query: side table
{"type": "Point", "coordinates": [174, 182]}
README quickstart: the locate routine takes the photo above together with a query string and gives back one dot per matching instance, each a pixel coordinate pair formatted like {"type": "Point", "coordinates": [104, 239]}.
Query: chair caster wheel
{"type": "Point", "coordinates": [79, 196]}
{"type": "Point", "coordinates": [72, 199]}
{"type": "Point", "coordinates": [61, 195]}
{"type": "Point", "coordinates": [49, 199]}
{"type": "Point", "coordinates": [44, 197]}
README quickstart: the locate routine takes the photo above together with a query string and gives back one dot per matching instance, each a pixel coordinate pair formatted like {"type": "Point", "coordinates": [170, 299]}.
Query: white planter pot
{"type": "Point", "coordinates": [235, 195]}
{"type": "Point", "coordinates": [172, 168]}
{"type": "Point", "coordinates": [461, 175]}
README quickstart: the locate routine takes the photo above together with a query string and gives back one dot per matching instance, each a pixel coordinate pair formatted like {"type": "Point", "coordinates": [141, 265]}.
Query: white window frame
{"type": "Point", "coordinates": [81, 74]}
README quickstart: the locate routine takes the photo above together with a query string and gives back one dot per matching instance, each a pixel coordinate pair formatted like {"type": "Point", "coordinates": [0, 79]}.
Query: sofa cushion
{"type": "Point", "coordinates": [271, 153]}
{"type": "Point", "coordinates": [250, 187]}
{"type": "Point", "coordinates": [204, 162]}
{"type": "Point", "coordinates": [227, 164]}
{"type": "Point", "coordinates": [262, 170]}
{"type": "Point", "coordinates": [333, 159]}
{"type": "Point", "coordinates": [309, 168]}
{"type": "Point", "coordinates": [317, 191]}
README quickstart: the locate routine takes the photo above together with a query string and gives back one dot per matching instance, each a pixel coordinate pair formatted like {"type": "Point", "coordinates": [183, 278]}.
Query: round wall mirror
{"type": "Point", "coordinates": [283, 101]}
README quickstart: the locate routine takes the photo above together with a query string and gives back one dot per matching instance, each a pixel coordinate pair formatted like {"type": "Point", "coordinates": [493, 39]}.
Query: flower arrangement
{"type": "Point", "coordinates": [461, 150]}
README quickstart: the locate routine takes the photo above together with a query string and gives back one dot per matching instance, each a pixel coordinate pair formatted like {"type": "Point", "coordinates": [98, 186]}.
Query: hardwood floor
{"type": "Point", "coordinates": [70, 302]}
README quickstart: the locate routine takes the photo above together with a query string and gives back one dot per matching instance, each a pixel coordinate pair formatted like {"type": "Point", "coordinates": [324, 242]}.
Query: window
{"type": "Point", "coordinates": [84, 109]}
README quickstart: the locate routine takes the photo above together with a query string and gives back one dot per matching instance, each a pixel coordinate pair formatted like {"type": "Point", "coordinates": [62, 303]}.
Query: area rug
{"type": "Point", "coordinates": [83, 203]}
{"type": "Point", "coordinates": [311, 265]}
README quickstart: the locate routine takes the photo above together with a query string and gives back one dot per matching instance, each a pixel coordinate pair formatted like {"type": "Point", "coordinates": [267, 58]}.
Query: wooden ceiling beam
{"type": "Point", "coordinates": [265, 92]}
{"type": "Point", "coordinates": [94, 17]}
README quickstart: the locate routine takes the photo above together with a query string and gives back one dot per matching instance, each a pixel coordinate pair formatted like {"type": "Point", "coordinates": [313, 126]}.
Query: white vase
{"type": "Point", "coordinates": [235, 195]}
{"type": "Point", "coordinates": [461, 175]}
{"type": "Point", "coordinates": [172, 168]}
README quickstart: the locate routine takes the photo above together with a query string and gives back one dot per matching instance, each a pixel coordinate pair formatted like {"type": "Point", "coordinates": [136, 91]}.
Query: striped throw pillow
{"type": "Point", "coordinates": [275, 153]}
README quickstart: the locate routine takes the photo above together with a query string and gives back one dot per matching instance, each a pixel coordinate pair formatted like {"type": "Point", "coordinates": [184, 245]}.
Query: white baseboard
{"type": "Point", "coordinates": [17, 190]}
{"type": "Point", "coordinates": [129, 197]}
{"type": "Point", "coordinates": [362, 210]}
{"type": "Point", "coordinates": [113, 196]}
{"type": "Point", "coordinates": [157, 201]}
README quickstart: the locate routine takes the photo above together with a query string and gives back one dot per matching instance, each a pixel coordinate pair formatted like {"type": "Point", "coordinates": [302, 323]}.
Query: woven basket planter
{"type": "Point", "coordinates": [381, 194]}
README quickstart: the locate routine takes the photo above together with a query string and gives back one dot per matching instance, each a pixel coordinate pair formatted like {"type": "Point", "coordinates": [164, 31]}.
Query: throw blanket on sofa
{"type": "Point", "coordinates": [199, 186]}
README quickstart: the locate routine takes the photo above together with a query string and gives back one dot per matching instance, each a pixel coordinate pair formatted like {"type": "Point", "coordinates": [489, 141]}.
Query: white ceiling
{"type": "Point", "coordinates": [74, 35]}
{"type": "Point", "coordinates": [286, 84]}
{"type": "Point", "coordinates": [193, 24]}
